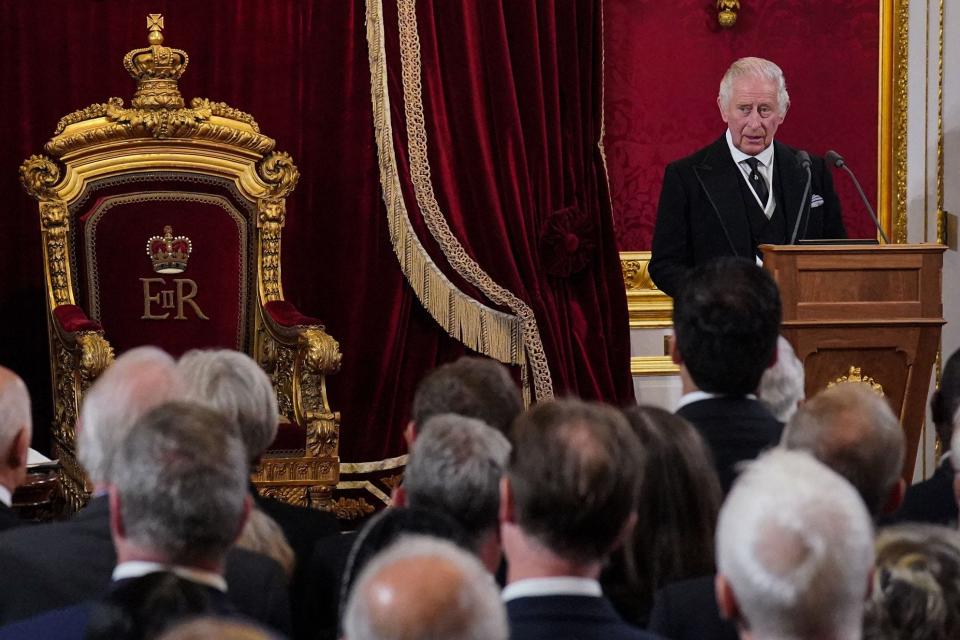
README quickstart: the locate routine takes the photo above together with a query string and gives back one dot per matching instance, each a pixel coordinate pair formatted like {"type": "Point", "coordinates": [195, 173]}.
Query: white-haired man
{"type": "Point", "coordinates": [743, 190]}
{"type": "Point", "coordinates": [63, 563]}
{"type": "Point", "coordinates": [424, 588]}
{"type": "Point", "coordinates": [782, 385]}
{"type": "Point", "coordinates": [16, 426]}
{"type": "Point", "coordinates": [794, 551]}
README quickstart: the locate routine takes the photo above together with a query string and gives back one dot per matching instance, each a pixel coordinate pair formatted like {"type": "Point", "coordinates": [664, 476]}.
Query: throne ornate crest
{"type": "Point", "coordinates": [203, 190]}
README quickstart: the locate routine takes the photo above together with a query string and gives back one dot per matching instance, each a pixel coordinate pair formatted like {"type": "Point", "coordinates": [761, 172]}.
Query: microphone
{"type": "Point", "coordinates": [803, 159]}
{"type": "Point", "coordinates": [836, 160]}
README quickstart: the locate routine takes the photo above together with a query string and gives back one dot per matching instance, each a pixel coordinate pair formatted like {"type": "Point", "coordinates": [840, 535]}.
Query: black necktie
{"type": "Point", "coordinates": [757, 181]}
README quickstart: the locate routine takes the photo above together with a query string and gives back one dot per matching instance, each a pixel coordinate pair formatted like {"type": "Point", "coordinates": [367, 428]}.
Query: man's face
{"type": "Point", "coordinates": [753, 113]}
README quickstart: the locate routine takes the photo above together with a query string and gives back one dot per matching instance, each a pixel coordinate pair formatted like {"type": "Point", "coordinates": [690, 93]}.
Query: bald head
{"type": "Point", "coordinates": [15, 428]}
{"type": "Point", "coordinates": [424, 588]}
{"type": "Point", "coordinates": [852, 430]}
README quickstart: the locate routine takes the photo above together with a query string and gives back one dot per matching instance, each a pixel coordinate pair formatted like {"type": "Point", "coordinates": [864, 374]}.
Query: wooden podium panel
{"type": "Point", "coordinates": [865, 313]}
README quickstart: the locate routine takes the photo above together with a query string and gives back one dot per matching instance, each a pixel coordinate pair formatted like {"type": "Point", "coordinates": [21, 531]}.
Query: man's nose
{"type": "Point", "coordinates": [754, 118]}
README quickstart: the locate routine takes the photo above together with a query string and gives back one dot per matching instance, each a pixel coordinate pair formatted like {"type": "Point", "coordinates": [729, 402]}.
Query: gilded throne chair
{"type": "Point", "coordinates": [161, 224]}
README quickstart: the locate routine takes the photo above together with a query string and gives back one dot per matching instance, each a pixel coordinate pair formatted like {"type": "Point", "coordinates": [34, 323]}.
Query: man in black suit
{"type": "Point", "coordinates": [725, 324]}
{"type": "Point", "coordinates": [743, 190]}
{"type": "Point", "coordinates": [63, 563]}
{"type": "Point", "coordinates": [15, 428]}
{"type": "Point", "coordinates": [423, 588]}
{"type": "Point", "coordinates": [932, 500]}
{"type": "Point", "coordinates": [567, 501]}
{"type": "Point", "coordinates": [177, 504]}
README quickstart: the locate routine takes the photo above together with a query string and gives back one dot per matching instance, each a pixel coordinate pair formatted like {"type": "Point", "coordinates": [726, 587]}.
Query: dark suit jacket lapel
{"type": "Point", "coordinates": [719, 177]}
{"type": "Point", "coordinates": [792, 179]}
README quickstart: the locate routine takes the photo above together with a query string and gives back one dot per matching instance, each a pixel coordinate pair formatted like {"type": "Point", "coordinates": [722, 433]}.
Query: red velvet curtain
{"type": "Point", "coordinates": [530, 93]}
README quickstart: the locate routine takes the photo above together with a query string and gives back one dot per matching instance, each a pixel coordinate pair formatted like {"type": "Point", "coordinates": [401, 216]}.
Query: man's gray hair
{"type": "Point", "coordinates": [781, 387]}
{"type": "Point", "coordinates": [137, 381]}
{"type": "Point", "coordinates": [852, 430]}
{"type": "Point", "coordinates": [795, 544]}
{"type": "Point", "coordinates": [14, 409]}
{"type": "Point", "coordinates": [234, 384]}
{"type": "Point", "coordinates": [455, 466]}
{"type": "Point", "coordinates": [424, 588]}
{"type": "Point", "coordinates": [181, 474]}
{"type": "Point", "coordinates": [758, 68]}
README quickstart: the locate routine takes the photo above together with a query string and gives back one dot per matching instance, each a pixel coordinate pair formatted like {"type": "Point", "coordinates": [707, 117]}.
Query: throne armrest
{"type": "Point", "coordinates": [285, 314]}
{"type": "Point", "coordinates": [72, 319]}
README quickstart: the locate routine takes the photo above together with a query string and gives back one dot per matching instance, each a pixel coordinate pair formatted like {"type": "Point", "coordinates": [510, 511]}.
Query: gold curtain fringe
{"type": "Point", "coordinates": [505, 337]}
{"type": "Point", "coordinates": [458, 258]}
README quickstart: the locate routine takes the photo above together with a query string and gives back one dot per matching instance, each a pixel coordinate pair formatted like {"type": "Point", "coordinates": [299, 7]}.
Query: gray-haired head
{"type": "Point", "coordinates": [14, 409]}
{"type": "Point", "coordinates": [182, 483]}
{"type": "Point", "coordinates": [234, 384]}
{"type": "Point", "coordinates": [423, 588]}
{"type": "Point", "coordinates": [455, 466]}
{"type": "Point", "coordinates": [782, 385]}
{"type": "Point", "coordinates": [137, 381]}
{"type": "Point", "coordinates": [756, 67]}
{"type": "Point", "coordinates": [795, 547]}
{"type": "Point", "coordinates": [853, 431]}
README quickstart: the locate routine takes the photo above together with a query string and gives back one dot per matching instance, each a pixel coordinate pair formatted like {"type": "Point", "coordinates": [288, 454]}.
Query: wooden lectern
{"type": "Point", "coordinates": [865, 313]}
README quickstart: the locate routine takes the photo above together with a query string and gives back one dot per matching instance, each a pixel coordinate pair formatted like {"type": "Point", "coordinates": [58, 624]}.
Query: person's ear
{"type": "Point", "coordinates": [674, 350]}
{"type": "Point", "coordinates": [410, 433]}
{"type": "Point", "coordinates": [244, 517]}
{"type": "Point", "coordinates": [117, 529]}
{"type": "Point", "coordinates": [507, 508]}
{"type": "Point", "coordinates": [398, 497]}
{"type": "Point", "coordinates": [726, 600]}
{"type": "Point", "coordinates": [723, 111]}
{"type": "Point", "coordinates": [17, 454]}
{"type": "Point", "coordinates": [895, 497]}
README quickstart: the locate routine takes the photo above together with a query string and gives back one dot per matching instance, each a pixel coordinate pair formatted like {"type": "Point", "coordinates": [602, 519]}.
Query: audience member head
{"type": "Point", "coordinates": [781, 386]}
{"type": "Point", "coordinates": [945, 401]}
{"type": "Point", "coordinates": [137, 381]}
{"type": "Point", "coordinates": [234, 384]}
{"type": "Point", "coordinates": [676, 513]}
{"type": "Point", "coordinates": [853, 431]}
{"type": "Point", "coordinates": [179, 492]}
{"type": "Point", "coordinates": [16, 427]}
{"type": "Point", "coordinates": [726, 321]}
{"type": "Point", "coordinates": [474, 387]}
{"type": "Point", "coordinates": [572, 480]}
{"type": "Point", "coordinates": [387, 527]}
{"type": "Point", "coordinates": [143, 608]}
{"type": "Point", "coordinates": [455, 466]}
{"type": "Point", "coordinates": [261, 534]}
{"type": "Point", "coordinates": [916, 584]}
{"type": "Point", "coordinates": [208, 627]}
{"type": "Point", "coordinates": [421, 589]}
{"type": "Point", "coordinates": [794, 551]}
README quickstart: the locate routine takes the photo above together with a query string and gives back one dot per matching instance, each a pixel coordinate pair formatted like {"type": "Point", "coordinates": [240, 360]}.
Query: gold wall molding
{"type": "Point", "coordinates": [653, 366]}
{"type": "Point", "coordinates": [647, 306]}
{"type": "Point", "coordinates": [892, 121]}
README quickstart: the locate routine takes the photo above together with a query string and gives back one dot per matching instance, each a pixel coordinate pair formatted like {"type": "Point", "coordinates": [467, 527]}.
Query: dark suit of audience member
{"type": "Point", "coordinates": [8, 517]}
{"type": "Point", "coordinates": [320, 598]}
{"type": "Point", "coordinates": [726, 323]}
{"type": "Point", "coordinates": [65, 563]}
{"type": "Point", "coordinates": [558, 617]}
{"type": "Point", "coordinates": [133, 608]}
{"type": "Point", "coordinates": [687, 610]}
{"type": "Point", "coordinates": [931, 500]}
{"type": "Point", "coordinates": [16, 426]}
{"type": "Point", "coordinates": [735, 429]}
{"type": "Point", "coordinates": [567, 500]}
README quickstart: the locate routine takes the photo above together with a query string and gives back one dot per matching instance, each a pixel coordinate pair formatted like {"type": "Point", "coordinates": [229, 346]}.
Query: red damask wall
{"type": "Point", "coordinates": [664, 61]}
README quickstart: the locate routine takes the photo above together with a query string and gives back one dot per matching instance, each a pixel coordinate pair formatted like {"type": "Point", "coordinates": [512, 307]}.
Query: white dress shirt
{"type": "Point", "coordinates": [140, 568]}
{"type": "Point", "coordinates": [765, 169]}
{"type": "Point", "coordinates": [556, 586]}
{"type": "Point", "coordinates": [6, 497]}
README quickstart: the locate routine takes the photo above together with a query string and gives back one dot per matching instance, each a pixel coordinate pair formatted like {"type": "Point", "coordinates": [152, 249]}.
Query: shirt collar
{"type": "Point", "coordinates": [697, 396]}
{"type": "Point", "coordinates": [765, 157]}
{"type": "Point", "coordinates": [6, 497]}
{"type": "Point", "coordinates": [555, 586]}
{"type": "Point", "coordinates": [140, 568]}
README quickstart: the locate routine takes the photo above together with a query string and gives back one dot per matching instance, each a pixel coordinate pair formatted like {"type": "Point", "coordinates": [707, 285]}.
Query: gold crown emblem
{"type": "Point", "coordinates": [156, 69]}
{"type": "Point", "coordinates": [169, 254]}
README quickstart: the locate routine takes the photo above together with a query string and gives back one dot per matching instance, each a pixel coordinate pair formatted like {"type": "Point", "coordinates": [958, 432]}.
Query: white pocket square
{"type": "Point", "coordinates": [816, 201]}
